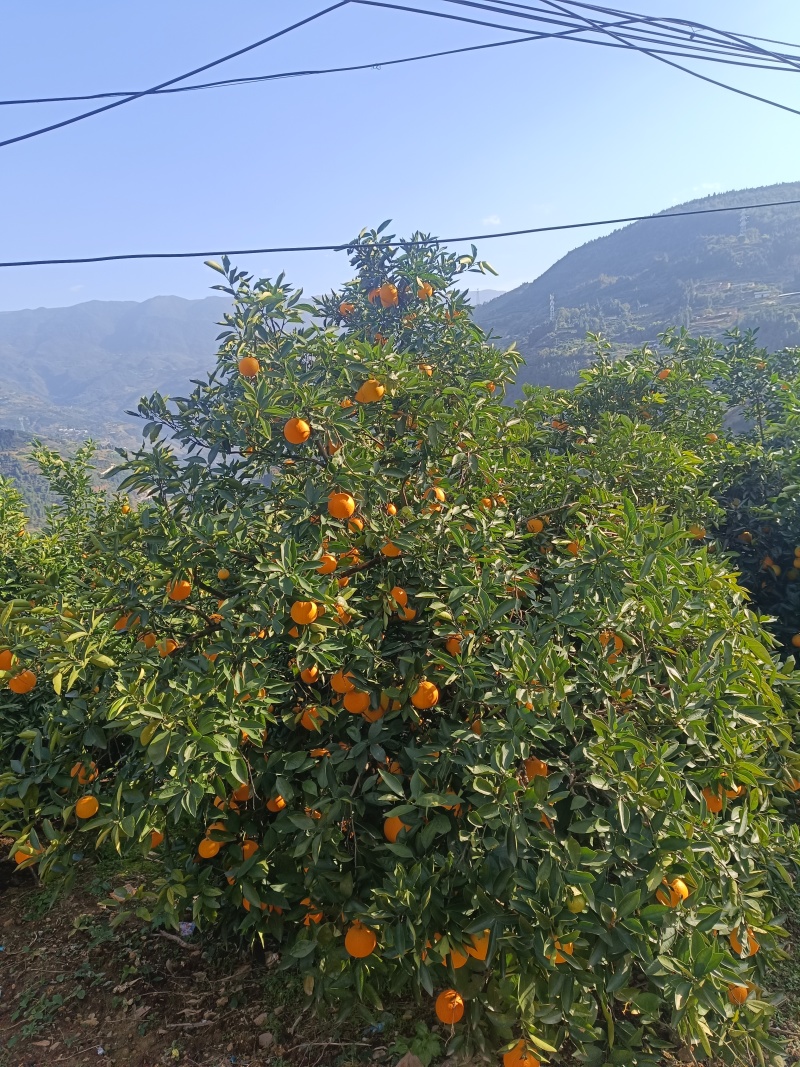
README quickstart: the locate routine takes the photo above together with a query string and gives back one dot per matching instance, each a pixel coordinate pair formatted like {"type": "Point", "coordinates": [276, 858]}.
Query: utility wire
{"type": "Point", "coordinates": [399, 244]}
{"type": "Point", "coordinates": [172, 81]}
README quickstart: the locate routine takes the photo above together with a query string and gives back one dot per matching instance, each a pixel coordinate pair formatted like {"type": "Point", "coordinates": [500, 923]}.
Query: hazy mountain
{"type": "Point", "coordinates": [70, 372]}
{"type": "Point", "coordinates": [708, 272]}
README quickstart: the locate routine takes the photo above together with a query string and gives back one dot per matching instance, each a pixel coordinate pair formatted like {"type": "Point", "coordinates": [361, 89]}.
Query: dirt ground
{"type": "Point", "coordinates": [75, 990]}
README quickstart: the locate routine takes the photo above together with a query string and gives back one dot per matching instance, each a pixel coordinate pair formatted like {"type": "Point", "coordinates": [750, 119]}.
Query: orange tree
{"type": "Point", "coordinates": [381, 670]}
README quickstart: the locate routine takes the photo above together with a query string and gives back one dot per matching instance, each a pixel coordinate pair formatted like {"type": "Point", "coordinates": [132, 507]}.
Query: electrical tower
{"type": "Point", "coordinates": [552, 307]}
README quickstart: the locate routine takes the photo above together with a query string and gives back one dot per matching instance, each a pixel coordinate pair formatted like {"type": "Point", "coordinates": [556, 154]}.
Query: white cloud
{"type": "Point", "coordinates": [76, 288]}
{"type": "Point", "coordinates": [491, 220]}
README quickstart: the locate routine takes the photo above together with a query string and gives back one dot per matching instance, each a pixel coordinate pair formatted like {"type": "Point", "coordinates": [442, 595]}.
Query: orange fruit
{"type": "Point", "coordinates": [249, 848]}
{"type": "Point", "coordinates": [752, 945]}
{"type": "Point", "coordinates": [491, 386]}
{"type": "Point", "coordinates": [83, 775]}
{"type": "Point", "coordinates": [737, 994]}
{"type": "Point", "coordinates": [745, 537]}
{"type": "Point", "coordinates": [156, 837]}
{"type": "Point", "coordinates": [535, 767]}
{"type": "Point", "coordinates": [392, 827]}
{"type": "Point", "coordinates": [449, 1007]}
{"type": "Point", "coordinates": [664, 374]}
{"type": "Point", "coordinates": [20, 857]}
{"type": "Point", "coordinates": [437, 494]}
{"type": "Point", "coordinates": [6, 660]}
{"type": "Point", "coordinates": [208, 849]}
{"type": "Point", "coordinates": [319, 753]}
{"type": "Point", "coordinates": [309, 719]}
{"type": "Point", "coordinates": [167, 647]}
{"type": "Point", "coordinates": [426, 368]}
{"type": "Point", "coordinates": [520, 1056]}
{"type": "Point", "coordinates": [425, 291]}
{"type": "Point", "coordinates": [312, 916]}
{"type": "Point", "coordinates": [355, 525]}
{"type": "Point", "coordinates": [399, 594]}
{"type": "Point", "coordinates": [22, 683]}
{"type": "Point", "coordinates": [327, 563]}
{"type": "Point", "coordinates": [124, 622]}
{"type": "Point", "coordinates": [249, 366]}
{"type": "Point", "coordinates": [223, 574]}
{"type": "Point", "coordinates": [296, 431]}
{"type": "Point", "coordinates": [341, 505]}
{"type": "Point", "coordinates": [148, 640]}
{"type": "Point", "coordinates": [242, 794]}
{"type": "Point", "coordinates": [390, 550]}
{"type": "Point", "coordinates": [360, 941]}
{"type": "Point", "coordinates": [276, 803]}
{"type": "Point", "coordinates": [391, 509]}
{"type": "Point", "coordinates": [304, 612]}
{"type": "Point", "coordinates": [388, 295]}
{"type": "Point", "coordinates": [453, 644]}
{"type": "Point", "coordinates": [125, 509]}
{"type": "Point", "coordinates": [370, 391]}
{"type": "Point", "coordinates": [735, 791]}
{"type": "Point", "coordinates": [87, 807]}
{"type": "Point", "coordinates": [341, 683]}
{"type": "Point", "coordinates": [697, 531]}
{"type": "Point", "coordinates": [796, 640]}
{"type": "Point", "coordinates": [534, 526]}
{"type": "Point", "coordinates": [713, 800]}
{"type": "Point", "coordinates": [562, 951]}
{"type": "Point", "coordinates": [573, 548]}
{"type": "Point", "coordinates": [179, 590]}
{"type": "Point", "coordinates": [356, 702]}
{"type": "Point", "coordinates": [712, 438]}
{"type": "Point", "coordinates": [477, 727]}
{"type": "Point", "coordinates": [425, 695]}
{"type": "Point", "coordinates": [479, 946]}
{"type": "Point", "coordinates": [346, 308]}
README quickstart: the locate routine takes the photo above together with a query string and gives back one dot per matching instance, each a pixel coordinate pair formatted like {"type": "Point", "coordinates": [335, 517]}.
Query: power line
{"type": "Point", "coordinates": [172, 81]}
{"type": "Point", "coordinates": [399, 244]}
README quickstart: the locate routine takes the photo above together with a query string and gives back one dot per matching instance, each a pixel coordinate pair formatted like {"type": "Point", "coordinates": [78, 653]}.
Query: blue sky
{"type": "Point", "coordinates": [534, 134]}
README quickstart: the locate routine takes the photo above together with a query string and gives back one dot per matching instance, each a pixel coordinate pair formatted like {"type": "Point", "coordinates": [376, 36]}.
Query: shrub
{"type": "Point", "coordinates": [535, 762]}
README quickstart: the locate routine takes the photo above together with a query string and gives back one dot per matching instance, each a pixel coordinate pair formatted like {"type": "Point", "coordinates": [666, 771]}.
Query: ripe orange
{"type": "Point", "coordinates": [125, 509]}
{"type": "Point", "coordinates": [390, 550]}
{"type": "Point", "coordinates": [84, 775]}
{"type": "Point", "coordinates": [327, 563]}
{"type": "Point", "coordinates": [148, 640]}
{"type": "Point", "coordinates": [449, 1007]}
{"type": "Point", "coordinates": [223, 574]}
{"type": "Point", "coordinates": [360, 941]}
{"type": "Point", "coordinates": [453, 644]}
{"type": "Point", "coordinates": [737, 994]}
{"type": "Point", "coordinates": [752, 945]}
{"type": "Point", "coordinates": [391, 509]}
{"type": "Point", "coordinates": [370, 392]}
{"type": "Point", "coordinates": [479, 948]}
{"type": "Point", "coordinates": [697, 531]}
{"type": "Point", "coordinates": [520, 1056]}
{"type": "Point", "coordinates": [341, 505]}
{"type": "Point", "coordinates": [745, 537]}
{"type": "Point", "coordinates": [713, 800]}
{"type": "Point", "coordinates": [124, 622]}
{"type": "Point", "coordinates": [6, 660]}
{"type": "Point", "coordinates": [712, 438]}
{"type": "Point", "coordinates": [179, 590]}
{"type": "Point", "coordinates": [534, 526]}
{"type": "Point", "coordinates": [242, 794]}
{"type": "Point", "coordinates": [491, 386]}
{"type": "Point", "coordinates": [399, 594]}
{"type": "Point", "coordinates": [310, 674]}
{"type": "Point", "coordinates": [356, 702]}
{"type": "Point", "coordinates": [341, 683]}
{"type": "Point", "coordinates": [156, 837]}
{"type": "Point", "coordinates": [87, 807]}
{"type": "Point", "coordinates": [735, 792]}
{"type": "Point", "coordinates": [573, 548]}
{"type": "Point", "coordinates": [392, 827]}
{"type": "Point", "coordinates": [22, 683]}
{"type": "Point", "coordinates": [425, 291]}
{"type": "Point", "coordinates": [296, 431]}
{"type": "Point", "coordinates": [167, 647]}
{"type": "Point", "coordinates": [355, 525]}
{"type": "Point", "coordinates": [208, 849]}
{"type": "Point", "coordinates": [796, 640]}
{"type": "Point", "coordinates": [562, 951]}
{"type": "Point", "coordinates": [249, 848]}
{"type": "Point", "coordinates": [249, 366]}
{"type": "Point", "coordinates": [309, 719]}
{"type": "Point", "coordinates": [346, 308]}
{"type": "Point", "coordinates": [664, 374]}
{"type": "Point", "coordinates": [425, 695]}
{"type": "Point", "coordinates": [535, 767]}
{"type": "Point", "coordinates": [276, 803]}
{"type": "Point", "coordinates": [426, 368]}
{"type": "Point", "coordinates": [678, 892]}
{"type": "Point", "coordinates": [304, 612]}
{"type": "Point", "coordinates": [477, 727]}
{"type": "Point", "coordinates": [388, 295]}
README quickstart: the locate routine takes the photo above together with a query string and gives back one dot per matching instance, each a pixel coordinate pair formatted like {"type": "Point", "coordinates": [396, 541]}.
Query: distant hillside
{"type": "Point", "coordinates": [708, 272]}
{"type": "Point", "coordinates": [71, 372]}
